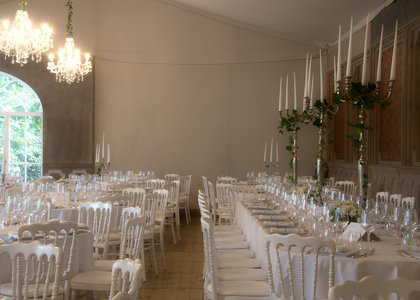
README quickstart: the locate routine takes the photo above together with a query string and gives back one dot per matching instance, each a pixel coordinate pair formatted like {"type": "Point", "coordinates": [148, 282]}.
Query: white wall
{"type": "Point", "coordinates": [177, 91]}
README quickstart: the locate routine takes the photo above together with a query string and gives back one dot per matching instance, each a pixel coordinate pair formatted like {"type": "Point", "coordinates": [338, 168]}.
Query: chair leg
{"type": "Point", "coordinates": [177, 223]}
{"type": "Point", "coordinates": [171, 220]}
{"type": "Point", "coordinates": [162, 249]}
{"type": "Point", "coordinates": [154, 262]}
{"type": "Point", "coordinates": [187, 206]}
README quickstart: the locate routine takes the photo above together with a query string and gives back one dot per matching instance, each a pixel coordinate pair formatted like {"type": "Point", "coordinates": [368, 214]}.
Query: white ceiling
{"type": "Point", "coordinates": [313, 22]}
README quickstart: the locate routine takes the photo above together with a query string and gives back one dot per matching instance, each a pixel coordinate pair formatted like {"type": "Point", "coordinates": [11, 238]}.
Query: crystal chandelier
{"type": "Point", "coordinates": [69, 66]}
{"type": "Point", "coordinates": [22, 41]}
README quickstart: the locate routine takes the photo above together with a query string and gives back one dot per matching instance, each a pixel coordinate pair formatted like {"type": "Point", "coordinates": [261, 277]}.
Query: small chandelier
{"type": "Point", "coordinates": [69, 66]}
{"type": "Point", "coordinates": [22, 41]}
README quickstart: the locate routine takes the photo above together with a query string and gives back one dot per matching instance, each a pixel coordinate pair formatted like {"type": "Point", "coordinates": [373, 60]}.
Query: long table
{"type": "Point", "coordinates": [385, 262]}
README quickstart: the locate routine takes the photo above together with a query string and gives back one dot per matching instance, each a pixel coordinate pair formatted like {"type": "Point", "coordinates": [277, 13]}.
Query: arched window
{"type": "Point", "coordinates": [20, 129]}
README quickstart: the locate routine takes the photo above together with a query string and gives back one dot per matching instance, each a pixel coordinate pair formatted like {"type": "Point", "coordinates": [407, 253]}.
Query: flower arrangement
{"type": "Point", "coordinates": [348, 210]}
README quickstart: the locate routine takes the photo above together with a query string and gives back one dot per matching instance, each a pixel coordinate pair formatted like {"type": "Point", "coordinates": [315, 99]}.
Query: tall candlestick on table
{"type": "Point", "coordinates": [321, 74]}
{"type": "Point", "coordinates": [312, 89]}
{"type": "Point", "coordinates": [294, 92]}
{"type": "Point", "coordinates": [309, 76]}
{"type": "Point", "coordinates": [349, 53]}
{"type": "Point", "coordinates": [379, 70]}
{"type": "Point", "coordinates": [108, 156]}
{"type": "Point", "coordinates": [364, 65]}
{"type": "Point", "coordinates": [393, 74]}
{"type": "Point", "coordinates": [103, 145]}
{"type": "Point", "coordinates": [281, 82]}
{"type": "Point", "coordinates": [265, 152]}
{"type": "Point", "coordinates": [338, 78]}
{"type": "Point", "coordinates": [287, 92]}
{"type": "Point", "coordinates": [335, 75]}
{"type": "Point", "coordinates": [305, 90]}
{"type": "Point", "coordinates": [271, 151]}
{"type": "Point", "coordinates": [96, 154]}
{"type": "Point", "coordinates": [277, 152]}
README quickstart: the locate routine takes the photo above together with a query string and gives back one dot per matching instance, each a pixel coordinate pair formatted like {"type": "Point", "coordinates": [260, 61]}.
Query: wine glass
{"type": "Point", "coordinates": [341, 221]}
{"type": "Point", "coordinates": [367, 226]}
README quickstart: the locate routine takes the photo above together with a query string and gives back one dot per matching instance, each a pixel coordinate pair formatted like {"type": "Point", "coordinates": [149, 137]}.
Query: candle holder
{"type": "Point", "coordinates": [364, 98]}
{"type": "Point", "coordinates": [270, 166]}
{"type": "Point", "coordinates": [101, 166]}
{"type": "Point", "coordinates": [291, 122]}
{"type": "Point", "coordinates": [317, 114]}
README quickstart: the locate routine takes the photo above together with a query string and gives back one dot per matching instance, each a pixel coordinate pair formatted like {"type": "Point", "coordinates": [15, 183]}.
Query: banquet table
{"type": "Point", "coordinates": [83, 259]}
{"type": "Point", "coordinates": [385, 262]}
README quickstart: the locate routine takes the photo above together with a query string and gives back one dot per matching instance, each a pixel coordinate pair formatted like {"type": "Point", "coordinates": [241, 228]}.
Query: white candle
{"type": "Point", "coordinates": [265, 152]}
{"type": "Point", "coordinates": [309, 75]}
{"type": "Point", "coordinates": [294, 91]}
{"type": "Point", "coordinates": [271, 151]}
{"type": "Point", "coordinates": [393, 74]}
{"type": "Point", "coordinates": [335, 75]}
{"type": "Point", "coordinates": [96, 153]}
{"type": "Point", "coordinates": [277, 151]}
{"type": "Point", "coordinates": [108, 157]}
{"type": "Point", "coordinates": [287, 92]}
{"type": "Point", "coordinates": [364, 65]}
{"type": "Point", "coordinates": [312, 89]}
{"type": "Point", "coordinates": [379, 70]}
{"type": "Point", "coordinates": [103, 145]}
{"type": "Point", "coordinates": [321, 83]}
{"type": "Point", "coordinates": [305, 90]}
{"type": "Point", "coordinates": [281, 81]}
{"type": "Point", "coordinates": [349, 54]}
{"type": "Point", "coordinates": [339, 55]}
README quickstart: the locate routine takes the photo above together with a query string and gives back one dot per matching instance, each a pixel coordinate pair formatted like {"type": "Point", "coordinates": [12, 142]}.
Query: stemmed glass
{"type": "Point", "coordinates": [367, 226]}
{"type": "Point", "coordinates": [341, 221]}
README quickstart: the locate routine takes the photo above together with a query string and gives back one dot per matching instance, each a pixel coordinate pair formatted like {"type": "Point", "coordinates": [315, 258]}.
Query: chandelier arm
{"type": "Point", "coordinates": [69, 26]}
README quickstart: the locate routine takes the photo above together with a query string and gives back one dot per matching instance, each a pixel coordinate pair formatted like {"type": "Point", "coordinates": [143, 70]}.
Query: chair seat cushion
{"type": "Point", "coordinates": [104, 264]}
{"type": "Point", "coordinates": [242, 288]}
{"type": "Point", "coordinates": [231, 245]}
{"type": "Point", "coordinates": [235, 253]}
{"type": "Point", "coordinates": [6, 290]}
{"type": "Point", "coordinates": [225, 263]}
{"type": "Point", "coordinates": [242, 274]}
{"type": "Point", "coordinates": [114, 236]}
{"type": "Point", "coordinates": [92, 281]}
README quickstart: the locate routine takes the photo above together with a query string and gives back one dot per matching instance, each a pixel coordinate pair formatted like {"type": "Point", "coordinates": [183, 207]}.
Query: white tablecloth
{"type": "Point", "coordinates": [385, 262]}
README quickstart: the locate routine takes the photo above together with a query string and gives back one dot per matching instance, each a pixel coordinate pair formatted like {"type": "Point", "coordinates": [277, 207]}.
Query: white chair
{"type": "Point", "coordinates": [98, 217]}
{"type": "Point", "coordinates": [226, 179]}
{"type": "Point", "coordinates": [395, 200]}
{"type": "Point", "coordinates": [149, 210]}
{"type": "Point", "coordinates": [346, 186]}
{"type": "Point", "coordinates": [132, 243]}
{"type": "Point", "coordinates": [155, 184]}
{"type": "Point", "coordinates": [170, 177]}
{"type": "Point", "coordinates": [382, 197]}
{"type": "Point", "coordinates": [184, 195]}
{"type": "Point", "coordinates": [35, 271]}
{"type": "Point", "coordinates": [61, 234]}
{"type": "Point", "coordinates": [225, 205]}
{"type": "Point", "coordinates": [215, 288]}
{"type": "Point", "coordinates": [80, 172]}
{"type": "Point", "coordinates": [161, 199]}
{"type": "Point", "coordinates": [286, 249]}
{"type": "Point", "coordinates": [55, 173]}
{"type": "Point", "coordinates": [125, 282]}
{"type": "Point", "coordinates": [172, 208]}
{"type": "Point", "coordinates": [370, 285]}
{"type": "Point", "coordinates": [213, 202]}
{"type": "Point", "coordinates": [136, 195]}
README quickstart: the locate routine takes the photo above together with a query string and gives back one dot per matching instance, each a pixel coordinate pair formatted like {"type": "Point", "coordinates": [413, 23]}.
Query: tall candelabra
{"type": "Point", "coordinates": [101, 166]}
{"type": "Point", "coordinates": [364, 98]}
{"type": "Point", "coordinates": [318, 114]}
{"type": "Point", "coordinates": [290, 121]}
{"type": "Point", "coordinates": [270, 165]}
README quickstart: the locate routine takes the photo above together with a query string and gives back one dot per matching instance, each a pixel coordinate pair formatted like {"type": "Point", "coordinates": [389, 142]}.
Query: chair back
{"type": "Point", "coordinates": [290, 251]}
{"type": "Point", "coordinates": [346, 186]}
{"type": "Point", "coordinates": [206, 186]}
{"type": "Point", "coordinates": [161, 198]}
{"type": "Point", "coordinates": [185, 186]}
{"type": "Point", "coordinates": [382, 197]}
{"type": "Point", "coordinates": [408, 203]}
{"type": "Point", "coordinates": [97, 216]}
{"type": "Point", "coordinates": [127, 214]}
{"type": "Point", "coordinates": [212, 201]}
{"type": "Point", "coordinates": [155, 184]}
{"type": "Point", "coordinates": [34, 265]}
{"type": "Point", "coordinates": [370, 285]}
{"type": "Point", "coordinates": [149, 211]}
{"type": "Point", "coordinates": [136, 196]}
{"type": "Point", "coordinates": [173, 193]}
{"type": "Point", "coordinates": [126, 278]}
{"type": "Point", "coordinates": [132, 239]}
{"type": "Point", "coordinates": [59, 233]}
{"type": "Point", "coordinates": [170, 177]}
{"type": "Point", "coordinates": [225, 205]}
{"type": "Point", "coordinates": [226, 179]}
{"type": "Point", "coordinates": [55, 173]}
{"type": "Point", "coordinates": [395, 200]}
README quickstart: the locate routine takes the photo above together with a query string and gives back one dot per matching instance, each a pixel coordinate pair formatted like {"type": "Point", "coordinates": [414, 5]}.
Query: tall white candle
{"type": "Point", "coordinates": [312, 89]}
{"type": "Point", "coordinates": [294, 92]}
{"type": "Point", "coordinates": [393, 74]}
{"type": "Point", "coordinates": [364, 65]}
{"type": "Point", "coordinates": [379, 70]}
{"type": "Point", "coordinates": [281, 82]}
{"type": "Point", "coordinates": [349, 53]}
{"type": "Point", "coordinates": [277, 151]}
{"type": "Point", "coordinates": [96, 153]}
{"type": "Point", "coordinates": [108, 156]}
{"type": "Point", "coordinates": [271, 151]}
{"type": "Point", "coordinates": [103, 145]}
{"type": "Point", "coordinates": [321, 75]}
{"type": "Point", "coordinates": [335, 75]}
{"type": "Point", "coordinates": [309, 75]}
{"type": "Point", "coordinates": [305, 90]}
{"type": "Point", "coordinates": [339, 54]}
{"type": "Point", "coordinates": [287, 92]}
{"type": "Point", "coordinates": [265, 152]}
